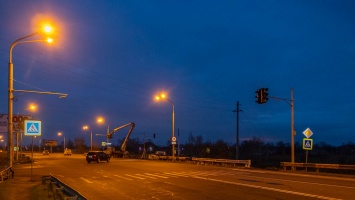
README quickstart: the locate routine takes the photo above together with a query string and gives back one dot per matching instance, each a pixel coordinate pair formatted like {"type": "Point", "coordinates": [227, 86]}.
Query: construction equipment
{"type": "Point", "coordinates": [122, 152]}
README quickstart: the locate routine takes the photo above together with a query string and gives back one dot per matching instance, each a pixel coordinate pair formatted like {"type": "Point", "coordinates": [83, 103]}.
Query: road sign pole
{"type": "Point", "coordinates": [306, 158]}
{"type": "Point", "coordinates": [32, 159]}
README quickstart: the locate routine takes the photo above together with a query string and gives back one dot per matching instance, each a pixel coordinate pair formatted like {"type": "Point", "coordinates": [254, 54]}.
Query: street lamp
{"type": "Point", "coordinates": [32, 108]}
{"type": "Point", "coordinates": [60, 134]}
{"type": "Point", "coordinates": [2, 140]}
{"type": "Point", "coordinates": [173, 139]}
{"type": "Point", "coordinates": [101, 120]}
{"type": "Point", "coordinates": [47, 29]}
{"type": "Point", "coordinates": [87, 128]}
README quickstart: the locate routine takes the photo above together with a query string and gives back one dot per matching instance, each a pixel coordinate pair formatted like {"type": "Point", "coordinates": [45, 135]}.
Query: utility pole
{"type": "Point", "coordinates": [237, 110]}
{"type": "Point", "coordinates": [178, 140]}
{"type": "Point", "coordinates": [292, 104]}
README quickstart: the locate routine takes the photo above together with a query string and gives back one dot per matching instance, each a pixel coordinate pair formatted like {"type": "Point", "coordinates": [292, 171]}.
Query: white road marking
{"type": "Point", "coordinates": [123, 177]}
{"type": "Point", "coordinates": [134, 176]}
{"type": "Point", "coordinates": [86, 180]}
{"type": "Point", "coordinates": [156, 175]}
{"type": "Point", "coordinates": [307, 183]}
{"type": "Point", "coordinates": [268, 188]}
{"type": "Point", "coordinates": [145, 176]}
{"type": "Point", "coordinates": [176, 174]}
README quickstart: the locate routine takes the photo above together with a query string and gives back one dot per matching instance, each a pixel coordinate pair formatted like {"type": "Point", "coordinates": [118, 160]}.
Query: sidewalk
{"type": "Point", "coordinates": [22, 186]}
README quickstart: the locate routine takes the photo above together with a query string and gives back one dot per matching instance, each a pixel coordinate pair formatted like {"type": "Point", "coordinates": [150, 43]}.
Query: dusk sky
{"type": "Point", "coordinates": [112, 57]}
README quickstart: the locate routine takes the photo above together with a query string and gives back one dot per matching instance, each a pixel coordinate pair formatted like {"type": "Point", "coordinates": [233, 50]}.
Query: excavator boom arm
{"type": "Point", "coordinates": [124, 144]}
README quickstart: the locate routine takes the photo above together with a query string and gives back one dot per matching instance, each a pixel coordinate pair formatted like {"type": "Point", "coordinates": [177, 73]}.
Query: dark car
{"type": "Point", "coordinates": [97, 156]}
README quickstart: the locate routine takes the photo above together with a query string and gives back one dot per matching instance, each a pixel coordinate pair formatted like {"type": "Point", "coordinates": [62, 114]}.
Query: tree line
{"type": "Point", "coordinates": [263, 154]}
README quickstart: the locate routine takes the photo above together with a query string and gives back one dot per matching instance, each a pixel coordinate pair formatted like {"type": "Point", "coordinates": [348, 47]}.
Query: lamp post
{"type": "Point", "coordinates": [101, 120]}
{"type": "Point", "coordinates": [98, 134]}
{"type": "Point", "coordinates": [173, 139]}
{"type": "Point", "coordinates": [60, 134]}
{"type": "Point", "coordinates": [33, 108]}
{"type": "Point", "coordinates": [87, 128]}
{"type": "Point", "coordinates": [11, 88]}
{"type": "Point", "coordinates": [2, 140]}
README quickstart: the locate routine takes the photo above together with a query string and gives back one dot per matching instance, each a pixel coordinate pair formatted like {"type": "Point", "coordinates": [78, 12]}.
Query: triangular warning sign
{"type": "Point", "coordinates": [308, 144]}
{"type": "Point", "coordinates": [32, 128]}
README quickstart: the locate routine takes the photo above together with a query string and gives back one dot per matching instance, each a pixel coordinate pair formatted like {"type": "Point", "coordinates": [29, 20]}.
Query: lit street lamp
{"type": "Point", "coordinates": [101, 120]}
{"type": "Point", "coordinates": [47, 29]}
{"type": "Point", "coordinates": [173, 139]}
{"type": "Point", "coordinates": [60, 134]}
{"type": "Point", "coordinates": [2, 140]}
{"type": "Point", "coordinates": [32, 108]}
{"type": "Point", "coordinates": [87, 128]}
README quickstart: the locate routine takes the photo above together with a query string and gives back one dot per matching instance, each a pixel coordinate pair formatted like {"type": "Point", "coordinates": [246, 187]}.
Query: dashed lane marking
{"type": "Point", "coordinates": [86, 180]}
{"type": "Point", "coordinates": [174, 174]}
{"type": "Point", "coordinates": [145, 176]}
{"type": "Point", "coordinates": [156, 175]}
{"type": "Point", "coordinates": [134, 176]}
{"type": "Point", "coordinates": [123, 177]}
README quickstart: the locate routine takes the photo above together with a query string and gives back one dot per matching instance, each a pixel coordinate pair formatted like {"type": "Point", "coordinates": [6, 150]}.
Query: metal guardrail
{"type": "Point", "coordinates": [316, 166]}
{"type": "Point", "coordinates": [246, 163]}
{"type": "Point", "coordinates": [60, 189]}
{"type": "Point", "coordinates": [6, 174]}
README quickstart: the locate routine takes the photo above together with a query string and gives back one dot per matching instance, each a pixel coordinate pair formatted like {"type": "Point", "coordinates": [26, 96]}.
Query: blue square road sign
{"type": "Point", "coordinates": [33, 128]}
{"type": "Point", "coordinates": [307, 144]}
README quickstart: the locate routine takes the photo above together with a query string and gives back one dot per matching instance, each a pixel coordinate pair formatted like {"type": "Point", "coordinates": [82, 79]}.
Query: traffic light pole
{"type": "Point", "coordinates": [291, 102]}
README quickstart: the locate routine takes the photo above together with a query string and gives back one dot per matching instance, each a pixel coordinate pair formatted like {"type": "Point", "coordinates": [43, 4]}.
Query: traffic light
{"type": "Point", "coordinates": [264, 95]}
{"type": "Point", "coordinates": [154, 135]}
{"type": "Point", "coordinates": [258, 96]}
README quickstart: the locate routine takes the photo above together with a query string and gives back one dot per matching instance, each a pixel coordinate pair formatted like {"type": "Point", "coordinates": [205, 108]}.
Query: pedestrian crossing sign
{"type": "Point", "coordinates": [307, 144]}
{"type": "Point", "coordinates": [33, 128]}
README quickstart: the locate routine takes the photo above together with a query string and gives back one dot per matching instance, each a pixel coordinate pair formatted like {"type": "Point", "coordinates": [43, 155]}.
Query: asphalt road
{"type": "Point", "coordinates": [143, 179]}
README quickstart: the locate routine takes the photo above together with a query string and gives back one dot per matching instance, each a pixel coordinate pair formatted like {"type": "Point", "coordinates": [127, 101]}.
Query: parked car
{"type": "Point", "coordinates": [45, 152]}
{"type": "Point", "coordinates": [160, 153]}
{"type": "Point", "coordinates": [67, 152]}
{"type": "Point", "coordinates": [23, 158]}
{"type": "Point", "coordinates": [97, 156]}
